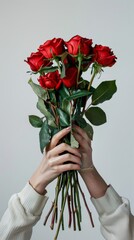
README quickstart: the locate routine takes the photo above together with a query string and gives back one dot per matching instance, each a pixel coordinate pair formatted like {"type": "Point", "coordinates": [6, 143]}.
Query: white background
{"type": "Point", "coordinates": [24, 25]}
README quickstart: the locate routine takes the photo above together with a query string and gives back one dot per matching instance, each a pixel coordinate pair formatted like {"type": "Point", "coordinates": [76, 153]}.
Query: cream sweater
{"type": "Point", "coordinates": [25, 208]}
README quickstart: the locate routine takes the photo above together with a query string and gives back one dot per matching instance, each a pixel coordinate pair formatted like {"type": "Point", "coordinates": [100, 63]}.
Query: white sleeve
{"type": "Point", "coordinates": [24, 210]}
{"type": "Point", "coordinates": [117, 222]}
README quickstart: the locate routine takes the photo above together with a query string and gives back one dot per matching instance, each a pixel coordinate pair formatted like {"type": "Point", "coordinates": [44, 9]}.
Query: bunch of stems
{"type": "Point", "coordinates": [69, 187]}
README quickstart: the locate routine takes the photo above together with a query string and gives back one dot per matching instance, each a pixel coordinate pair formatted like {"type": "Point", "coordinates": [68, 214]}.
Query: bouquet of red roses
{"type": "Point", "coordinates": [64, 98]}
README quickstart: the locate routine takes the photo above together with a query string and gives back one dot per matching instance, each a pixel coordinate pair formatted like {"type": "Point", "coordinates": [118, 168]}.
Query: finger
{"type": "Point", "coordinates": [68, 167]}
{"type": "Point", "coordinates": [61, 148]}
{"type": "Point", "coordinates": [58, 136]}
{"type": "Point", "coordinates": [82, 141]}
{"type": "Point", "coordinates": [60, 160]}
{"type": "Point", "coordinates": [82, 133]}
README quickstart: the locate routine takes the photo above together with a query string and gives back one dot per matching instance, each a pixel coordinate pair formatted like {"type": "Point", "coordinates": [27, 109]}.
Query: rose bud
{"type": "Point", "coordinates": [78, 43]}
{"type": "Point", "coordinates": [50, 80]}
{"type": "Point", "coordinates": [51, 48]}
{"type": "Point", "coordinates": [104, 56]}
{"type": "Point", "coordinates": [36, 61]}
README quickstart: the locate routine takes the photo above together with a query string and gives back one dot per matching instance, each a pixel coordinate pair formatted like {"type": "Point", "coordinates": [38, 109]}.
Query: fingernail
{"type": "Point", "coordinates": [68, 128]}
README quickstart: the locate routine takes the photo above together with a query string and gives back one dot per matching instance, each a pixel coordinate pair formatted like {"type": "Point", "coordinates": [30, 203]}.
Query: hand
{"type": "Point", "coordinates": [93, 180]}
{"type": "Point", "coordinates": [84, 146]}
{"type": "Point", "coordinates": [55, 162]}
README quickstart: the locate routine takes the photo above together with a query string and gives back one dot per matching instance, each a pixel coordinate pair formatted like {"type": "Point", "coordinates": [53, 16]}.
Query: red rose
{"type": "Point", "coordinates": [51, 48]}
{"type": "Point", "coordinates": [71, 77]}
{"type": "Point", "coordinates": [78, 43]}
{"type": "Point", "coordinates": [104, 56]}
{"type": "Point", "coordinates": [50, 80]}
{"type": "Point", "coordinates": [36, 61]}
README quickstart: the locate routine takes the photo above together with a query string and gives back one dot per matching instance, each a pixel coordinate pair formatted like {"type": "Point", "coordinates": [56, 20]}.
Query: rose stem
{"type": "Point", "coordinates": [89, 212]}
{"type": "Point", "coordinates": [55, 202]}
{"type": "Point", "coordinates": [49, 213]}
{"type": "Point", "coordinates": [72, 205]}
{"type": "Point", "coordinates": [92, 78]}
{"type": "Point", "coordinates": [62, 210]}
{"type": "Point", "coordinates": [79, 67]}
{"type": "Point", "coordinates": [60, 186]}
{"type": "Point", "coordinates": [75, 203]}
{"type": "Point", "coordinates": [62, 200]}
{"type": "Point", "coordinates": [89, 85]}
{"type": "Point", "coordinates": [69, 211]}
{"type": "Point", "coordinates": [78, 197]}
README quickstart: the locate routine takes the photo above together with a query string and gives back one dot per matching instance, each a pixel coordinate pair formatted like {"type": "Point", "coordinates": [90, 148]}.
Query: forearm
{"type": "Point", "coordinates": [114, 215]}
{"type": "Point", "coordinates": [94, 182]}
{"type": "Point", "coordinates": [114, 212]}
{"type": "Point", "coordinates": [24, 210]}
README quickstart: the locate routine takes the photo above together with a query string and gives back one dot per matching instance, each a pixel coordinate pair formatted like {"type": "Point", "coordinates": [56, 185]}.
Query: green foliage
{"type": "Point", "coordinates": [96, 116]}
{"type": "Point", "coordinates": [41, 106]}
{"type": "Point", "coordinates": [63, 117]}
{"type": "Point", "coordinates": [63, 92]}
{"type": "Point", "coordinates": [47, 69]}
{"type": "Point", "coordinates": [83, 84]}
{"type": "Point", "coordinates": [53, 131]}
{"type": "Point", "coordinates": [52, 97]}
{"type": "Point", "coordinates": [104, 92]}
{"type": "Point", "coordinates": [78, 93]}
{"type": "Point", "coordinates": [44, 136]}
{"type": "Point", "coordinates": [66, 106]}
{"type": "Point", "coordinates": [63, 102]}
{"type": "Point", "coordinates": [63, 71]}
{"type": "Point", "coordinates": [35, 121]}
{"type": "Point", "coordinates": [39, 91]}
{"type": "Point", "coordinates": [80, 120]}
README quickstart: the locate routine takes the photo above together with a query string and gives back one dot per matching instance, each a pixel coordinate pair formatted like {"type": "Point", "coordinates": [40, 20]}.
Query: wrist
{"type": "Point", "coordinates": [94, 182]}
{"type": "Point", "coordinates": [38, 186]}
{"type": "Point", "coordinates": [87, 171]}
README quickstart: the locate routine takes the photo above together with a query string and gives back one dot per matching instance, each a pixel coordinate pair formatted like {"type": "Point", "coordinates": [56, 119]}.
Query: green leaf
{"type": "Point", "coordinates": [48, 69]}
{"type": "Point", "coordinates": [96, 116]}
{"type": "Point", "coordinates": [80, 104]}
{"type": "Point", "coordinates": [104, 92]}
{"type": "Point", "coordinates": [66, 106]}
{"type": "Point", "coordinates": [63, 71]}
{"type": "Point", "coordinates": [41, 106]}
{"type": "Point", "coordinates": [83, 84]}
{"type": "Point", "coordinates": [78, 93]}
{"type": "Point", "coordinates": [89, 130]}
{"type": "Point", "coordinates": [64, 118]}
{"type": "Point", "coordinates": [63, 92]}
{"type": "Point", "coordinates": [53, 131]}
{"type": "Point", "coordinates": [44, 135]}
{"type": "Point", "coordinates": [39, 91]}
{"type": "Point", "coordinates": [80, 120]}
{"type": "Point", "coordinates": [35, 121]}
{"type": "Point", "coordinates": [52, 97]}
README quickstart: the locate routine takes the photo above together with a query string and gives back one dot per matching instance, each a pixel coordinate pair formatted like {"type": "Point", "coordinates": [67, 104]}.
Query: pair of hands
{"type": "Point", "coordinates": [54, 158]}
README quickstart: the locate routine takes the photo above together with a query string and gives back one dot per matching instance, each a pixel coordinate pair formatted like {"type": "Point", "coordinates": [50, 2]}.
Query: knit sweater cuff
{"type": "Point", "coordinates": [108, 203]}
{"type": "Point", "coordinates": [31, 200]}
